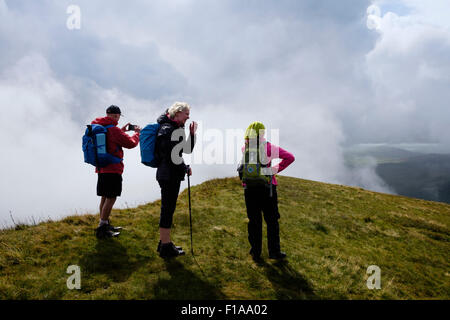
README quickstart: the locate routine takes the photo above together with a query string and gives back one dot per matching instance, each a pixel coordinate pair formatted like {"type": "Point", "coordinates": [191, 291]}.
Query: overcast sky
{"type": "Point", "coordinates": [327, 74]}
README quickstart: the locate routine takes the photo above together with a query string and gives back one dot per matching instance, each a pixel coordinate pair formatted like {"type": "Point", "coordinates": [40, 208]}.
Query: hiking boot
{"type": "Point", "coordinates": [114, 229]}
{"type": "Point", "coordinates": [103, 232]}
{"type": "Point", "coordinates": [278, 255]}
{"type": "Point", "coordinates": [256, 256]}
{"type": "Point", "coordinates": [169, 250]}
{"type": "Point", "coordinates": [159, 247]}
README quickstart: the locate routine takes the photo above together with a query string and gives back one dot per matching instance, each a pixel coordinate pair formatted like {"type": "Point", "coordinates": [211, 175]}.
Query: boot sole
{"type": "Point", "coordinates": [277, 258]}
{"type": "Point", "coordinates": [180, 253]}
{"type": "Point", "coordinates": [114, 235]}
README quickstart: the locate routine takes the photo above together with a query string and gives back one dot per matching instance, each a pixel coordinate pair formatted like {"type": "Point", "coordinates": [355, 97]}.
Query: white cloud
{"type": "Point", "coordinates": [409, 70]}
{"type": "Point", "coordinates": [312, 69]}
{"type": "Point", "coordinates": [41, 162]}
{"type": "Point", "coordinates": [44, 174]}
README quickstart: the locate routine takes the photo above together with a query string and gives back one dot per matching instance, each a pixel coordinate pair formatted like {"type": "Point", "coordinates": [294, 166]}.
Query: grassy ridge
{"type": "Point", "coordinates": [331, 234]}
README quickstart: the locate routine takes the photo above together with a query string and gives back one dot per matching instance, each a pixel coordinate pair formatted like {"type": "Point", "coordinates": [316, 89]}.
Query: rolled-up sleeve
{"type": "Point", "coordinates": [276, 152]}
{"type": "Point", "coordinates": [126, 141]}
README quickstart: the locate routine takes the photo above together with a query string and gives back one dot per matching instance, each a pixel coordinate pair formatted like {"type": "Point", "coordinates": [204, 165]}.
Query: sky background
{"type": "Point", "coordinates": [327, 74]}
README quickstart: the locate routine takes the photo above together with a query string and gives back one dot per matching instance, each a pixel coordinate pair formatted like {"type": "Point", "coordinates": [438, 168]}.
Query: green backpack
{"type": "Point", "coordinates": [255, 168]}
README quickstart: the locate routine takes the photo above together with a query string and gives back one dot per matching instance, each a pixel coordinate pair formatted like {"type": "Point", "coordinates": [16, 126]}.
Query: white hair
{"type": "Point", "coordinates": [177, 107]}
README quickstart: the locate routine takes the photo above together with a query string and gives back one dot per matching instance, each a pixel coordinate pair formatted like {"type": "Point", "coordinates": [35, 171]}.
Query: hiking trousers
{"type": "Point", "coordinates": [257, 201]}
{"type": "Point", "coordinates": [169, 196]}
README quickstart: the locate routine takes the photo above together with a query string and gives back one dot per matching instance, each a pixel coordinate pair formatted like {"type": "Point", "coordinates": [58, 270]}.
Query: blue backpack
{"type": "Point", "coordinates": [94, 146]}
{"type": "Point", "coordinates": [147, 141]}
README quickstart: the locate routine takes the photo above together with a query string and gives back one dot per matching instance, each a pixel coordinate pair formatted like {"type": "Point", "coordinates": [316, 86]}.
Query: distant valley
{"type": "Point", "coordinates": [408, 173]}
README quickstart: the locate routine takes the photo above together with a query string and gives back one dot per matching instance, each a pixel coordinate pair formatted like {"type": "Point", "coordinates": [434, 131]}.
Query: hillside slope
{"type": "Point", "coordinates": [331, 234]}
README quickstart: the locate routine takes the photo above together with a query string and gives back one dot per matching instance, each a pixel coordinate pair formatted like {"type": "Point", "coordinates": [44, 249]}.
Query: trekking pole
{"type": "Point", "coordinates": [190, 214]}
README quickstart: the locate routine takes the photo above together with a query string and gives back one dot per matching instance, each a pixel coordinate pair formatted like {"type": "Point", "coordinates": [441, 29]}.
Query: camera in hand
{"type": "Point", "coordinates": [131, 126]}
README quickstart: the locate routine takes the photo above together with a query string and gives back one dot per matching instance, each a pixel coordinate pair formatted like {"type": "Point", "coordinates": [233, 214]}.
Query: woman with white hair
{"type": "Point", "coordinates": [171, 169]}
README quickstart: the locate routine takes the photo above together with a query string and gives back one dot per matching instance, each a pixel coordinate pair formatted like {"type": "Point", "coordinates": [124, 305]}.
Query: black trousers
{"type": "Point", "coordinates": [169, 196]}
{"type": "Point", "coordinates": [257, 200]}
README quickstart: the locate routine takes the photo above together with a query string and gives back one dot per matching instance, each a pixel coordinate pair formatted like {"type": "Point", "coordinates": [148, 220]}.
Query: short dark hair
{"type": "Point", "coordinates": [112, 109]}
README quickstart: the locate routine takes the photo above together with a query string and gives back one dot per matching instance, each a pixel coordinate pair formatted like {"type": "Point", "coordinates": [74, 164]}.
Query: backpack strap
{"type": "Point", "coordinates": [92, 137]}
{"type": "Point", "coordinates": [110, 126]}
{"type": "Point", "coordinates": [258, 158]}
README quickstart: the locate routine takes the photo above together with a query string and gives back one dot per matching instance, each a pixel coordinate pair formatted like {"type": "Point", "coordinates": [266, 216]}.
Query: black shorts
{"type": "Point", "coordinates": [109, 185]}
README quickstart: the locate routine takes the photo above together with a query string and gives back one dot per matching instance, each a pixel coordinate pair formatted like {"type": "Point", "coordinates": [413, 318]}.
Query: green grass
{"type": "Point", "coordinates": [331, 234]}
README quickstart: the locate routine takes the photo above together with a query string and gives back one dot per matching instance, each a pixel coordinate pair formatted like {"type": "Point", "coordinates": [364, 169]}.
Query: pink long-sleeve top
{"type": "Point", "coordinates": [276, 152]}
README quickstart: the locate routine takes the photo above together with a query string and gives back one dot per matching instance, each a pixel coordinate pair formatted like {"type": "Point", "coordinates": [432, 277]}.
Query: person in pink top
{"type": "Point", "coordinates": [263, 198]}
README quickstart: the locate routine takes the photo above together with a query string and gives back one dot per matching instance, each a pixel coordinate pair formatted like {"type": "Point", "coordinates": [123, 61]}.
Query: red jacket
{"type": "Point", "coordinates": [115, 140]}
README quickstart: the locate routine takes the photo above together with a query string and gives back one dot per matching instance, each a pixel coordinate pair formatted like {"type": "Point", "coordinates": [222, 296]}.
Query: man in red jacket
{"type": "Point", "coordinates": [109, 185]}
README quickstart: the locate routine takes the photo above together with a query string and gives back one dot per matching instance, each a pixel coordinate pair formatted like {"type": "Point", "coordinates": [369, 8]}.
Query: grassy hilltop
{"type": "Point", "coordinates": [331, 234]}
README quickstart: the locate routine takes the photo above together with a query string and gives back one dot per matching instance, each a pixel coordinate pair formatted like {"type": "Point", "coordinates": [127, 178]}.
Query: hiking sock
{"type": "Point", "coordinates": [103, 222]}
